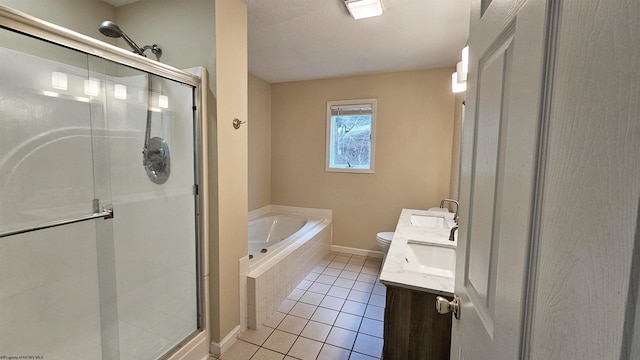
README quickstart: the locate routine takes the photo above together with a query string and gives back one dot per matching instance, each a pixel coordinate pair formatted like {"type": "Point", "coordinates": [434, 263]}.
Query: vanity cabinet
{"type": "Point", "coordinates": [413, 329]}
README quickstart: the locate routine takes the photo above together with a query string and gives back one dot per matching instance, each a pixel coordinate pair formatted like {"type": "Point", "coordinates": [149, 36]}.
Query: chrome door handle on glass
{"type": "Point", "coordinates": [106, 213]}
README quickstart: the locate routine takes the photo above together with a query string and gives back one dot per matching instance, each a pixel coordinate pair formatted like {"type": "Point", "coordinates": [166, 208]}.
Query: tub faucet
{"type": "Point", "coordinates": [453, 231]}
{"type": "Point", "coordinates": [455, 216]}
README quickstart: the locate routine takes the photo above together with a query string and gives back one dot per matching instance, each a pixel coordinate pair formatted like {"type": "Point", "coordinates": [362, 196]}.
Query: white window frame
{"type": "Point", "coordinates": [328, 147]}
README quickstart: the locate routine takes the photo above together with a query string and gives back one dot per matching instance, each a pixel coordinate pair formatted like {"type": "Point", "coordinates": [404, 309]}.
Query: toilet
{"type": "Point", "coordinates": [384, 241]}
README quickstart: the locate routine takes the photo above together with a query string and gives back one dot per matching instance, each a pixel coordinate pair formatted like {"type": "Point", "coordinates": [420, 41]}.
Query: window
{"type": "Point", "coordinates": [351, 135]}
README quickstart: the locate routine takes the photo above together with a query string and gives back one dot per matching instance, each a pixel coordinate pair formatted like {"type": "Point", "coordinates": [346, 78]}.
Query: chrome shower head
{"type": "Point", "coordinates": [110, 29]}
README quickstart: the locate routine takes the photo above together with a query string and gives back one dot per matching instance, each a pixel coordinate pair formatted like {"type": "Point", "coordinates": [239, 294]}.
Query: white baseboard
{"type": "Point", "coordinates": [356, 251]}
{"type": "Point", "coordinates": [218, 349]}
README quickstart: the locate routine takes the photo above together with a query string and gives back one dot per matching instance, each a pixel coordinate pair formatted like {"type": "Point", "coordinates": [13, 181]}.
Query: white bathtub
{"type": "Point", "coordinates": [295, 241]}
{"type": "Point", "coordinates": [272, 228]}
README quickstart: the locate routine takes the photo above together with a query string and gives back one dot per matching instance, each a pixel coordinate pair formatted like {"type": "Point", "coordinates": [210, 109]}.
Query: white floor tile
{"type": "Point", "coordinates": [339, 292]}
{"type": "Point", "coordinates": [372, 327]}
{"type": "Point", "coordinates": [362, 286]}
{"type": "Point", "coordinates": [240, 351]}
{"type": "Point", "coordinates": [326, 279]}
{"type": "Point", "coordinates": [344, 283]}
{"type": "Point", "coordinates": [304, 284]}
{"type": "Point", "coordinates": [331, 302]}
{"type": "Point", "coordinates": [316, 331]}
{"type": "Point", "coordinates": [256, 337]}
{"type": "Point", "coordinates": [374, 312]}
{"type": "Point", "coordinates": [354, 307]}
{"type": "Point", "coordinates": [369, 345]}
{"type": "Point", "coordinates": [311, 298]}
{"type": "Point", "coordinates": [341, 338]}
{"type": "Point", "coordinates": [266, 354]}
{"type": "Point", "coordinates": [377, 300]}
{"type": "Point", "coordinates": [367, 278]}
{"type": "Point", "coordinates": [303, 310]}
{"type": "Point", "coordinates": [358, 356]}
{"type": "Point", "coordinates": [349, 275]}
{"type": "Point", "coordinates": [369, 270]}
{"type": "Point", "coordinates": [337, 265]}
{"type": "Point", "coordinates": [353, 268]}
{"type": "Point", "coordinates": [295, 294]}
{"type": "Point", "coordinates": [359, 296]}
{"type": "Point", "coordinates": [305, 349]}
{"type": "Point", "coordinates": [348, 321]}
{"type": "Point", "coordinates": [323, 315]}
{"type": "Point", "coordinates": [332, 272]}
{"type": "Point", "coordinates": [342, 258]}
{"type": "Point", "coordinates": [320, 288]}
{"type": "Point", "coordinates": [286, 306]}
{"type": "Point", "coordinates": [280, 341]}
{"type": "Point", "coordinates": [274, 320]}
{"type": "Point", "coordinates": [318, 269]}
{"type": "Point", "coordinates": [379, 289]}
{"type": "Point", "coordinates": [293, 324]}
{"type": "Point", "coordinates": [330, 352]}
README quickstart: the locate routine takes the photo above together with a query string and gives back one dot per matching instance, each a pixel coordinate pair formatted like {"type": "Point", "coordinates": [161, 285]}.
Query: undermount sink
{"type": "Point", "coordinates": [430, 259]}
{"type": "Point", "coordinates": [429, 221]}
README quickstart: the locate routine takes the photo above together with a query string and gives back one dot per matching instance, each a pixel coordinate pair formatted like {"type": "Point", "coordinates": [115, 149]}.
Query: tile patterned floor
{"type": "Point", "coordinates": [336, 313]}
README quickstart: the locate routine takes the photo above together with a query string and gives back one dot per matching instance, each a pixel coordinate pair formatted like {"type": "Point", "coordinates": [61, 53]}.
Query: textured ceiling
{"type": "Point", "coordinates": [292, 40]}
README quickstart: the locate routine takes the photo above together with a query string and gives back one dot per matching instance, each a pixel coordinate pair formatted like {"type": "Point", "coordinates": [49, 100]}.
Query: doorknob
{"type": "Point", "coordinates": [445, 306]}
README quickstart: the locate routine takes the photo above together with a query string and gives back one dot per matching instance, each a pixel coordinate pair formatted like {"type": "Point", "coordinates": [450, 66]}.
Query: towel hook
{"type": "Point", "coordinates": [237, 123]}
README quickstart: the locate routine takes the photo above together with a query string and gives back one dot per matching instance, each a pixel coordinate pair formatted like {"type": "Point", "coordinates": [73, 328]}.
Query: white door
{"type": "Point", "coordinates": [498, 172]}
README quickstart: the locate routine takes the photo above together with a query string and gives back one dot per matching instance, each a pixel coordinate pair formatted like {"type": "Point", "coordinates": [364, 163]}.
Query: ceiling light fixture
{"type": "Point", "coordinates": [362, 9]}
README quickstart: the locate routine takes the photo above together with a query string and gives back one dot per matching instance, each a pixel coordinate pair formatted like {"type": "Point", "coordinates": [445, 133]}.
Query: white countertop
{"type": "Point", "coordinates": [393, 272]}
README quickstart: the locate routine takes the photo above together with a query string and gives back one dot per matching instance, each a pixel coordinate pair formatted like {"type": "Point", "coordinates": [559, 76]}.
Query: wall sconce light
{"type": "Point", "coordinates": [92, 87]}
{"type": "Point", "coordinates": [456, 86]}
{"type": "Point", "coordinates": [59, 80]}
{"type": "Point", "coordinates": [459, 78]}
{"type": "Point", "coordinates": [362, 9]}
{"type": "Point", "coordinates": [163, 101]}
{"type": "Point", "coordinates": [120, 91]}
{"type": "Point", "coordinates": [462, 75]}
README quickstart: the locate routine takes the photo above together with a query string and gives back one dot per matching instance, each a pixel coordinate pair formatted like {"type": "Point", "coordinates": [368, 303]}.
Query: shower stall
{"type": "Point", "coordinates": [100, 252]}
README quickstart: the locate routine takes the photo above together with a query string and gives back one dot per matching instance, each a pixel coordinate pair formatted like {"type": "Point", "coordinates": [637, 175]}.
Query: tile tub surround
{"type": "Point", "coordinates": [324, 318]}
{"type": "Point", "coordinates": [270, 280]}
{"type": "Point", "coordinates": [393, 272]}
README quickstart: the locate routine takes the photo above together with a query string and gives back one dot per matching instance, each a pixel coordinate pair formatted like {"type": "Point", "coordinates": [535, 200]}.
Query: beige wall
{"type": "Point", "coordinates": [184, 30]}
{"type": "Point", "coordinates": [83, 16]}
{"type": "Point", "coordinates": [259, 142]}
{"type": "Point", "coordinates": [231, 91]}
{"type": "Point", "coordinates": [413, 152]}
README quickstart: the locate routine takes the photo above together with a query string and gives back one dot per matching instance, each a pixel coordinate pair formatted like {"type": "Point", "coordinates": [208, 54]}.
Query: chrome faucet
{"type": "Point", "coordinates": [455, 216]}
{"type": "Point", "coordinates": [451, 234]}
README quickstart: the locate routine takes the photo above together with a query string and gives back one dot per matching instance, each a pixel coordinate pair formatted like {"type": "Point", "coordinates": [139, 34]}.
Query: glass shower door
{"type": "Point", "coordinates": [152, 166]}
{"type": "Point", "coordinates": [98, 208]}
{"type": "Point", "coordinates": [54, 196]}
